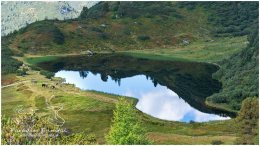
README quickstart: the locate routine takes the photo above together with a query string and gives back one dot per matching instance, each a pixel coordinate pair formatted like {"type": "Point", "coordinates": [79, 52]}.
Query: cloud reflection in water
{"type": "Point", "coordinates": [157, 101]}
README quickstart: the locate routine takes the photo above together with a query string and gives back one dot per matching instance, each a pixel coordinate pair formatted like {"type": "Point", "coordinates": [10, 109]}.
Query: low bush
{"type": "Point", "coordinates": [33, 67]}
{"type": "Point", "coordinates": [47, 74]}
{"type": "Point", "coordinates": [217, 142]}
{"type": "Point", "coordinates": [21, 72]}
{"type": "Point", "coordinates": [248, 122]}
{"type": "Point", "coordinates": [96, 29]}
{"type": "Point", "coordinates": [239, 75]}
{"type": "Point", "coordinates": [9, 64]}
{"type": "Point", "coordinates": [143, 37]}
{"type": "Point", "coordinates": [103, 36]}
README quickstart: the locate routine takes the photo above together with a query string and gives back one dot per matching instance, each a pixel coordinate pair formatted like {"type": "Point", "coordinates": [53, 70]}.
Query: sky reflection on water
{"type": "Point", "coordinates": [159, 101]}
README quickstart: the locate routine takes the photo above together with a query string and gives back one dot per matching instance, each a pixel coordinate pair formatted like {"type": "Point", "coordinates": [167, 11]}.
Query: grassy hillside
{"type": "Point", "coordinates": [8, 64]}
{"type": "Point", "coordinates": [186, 31]}
{"type": "Point", "coordinates": [215, 32]}
{"type": "Point", "coordinates": [229, 18]}
{"type": "Point", "coordinates": [239, 72]}
{"type": "Point", "coordinates": [239, 75]}
{"type": "Point", "coordinates": [90, 112]}
{"type": "Point", "coordinates": [117, 28]}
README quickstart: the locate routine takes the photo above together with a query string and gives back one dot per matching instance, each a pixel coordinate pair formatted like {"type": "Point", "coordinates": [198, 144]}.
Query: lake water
{"type": "Point", "coordinates": [166, 90]}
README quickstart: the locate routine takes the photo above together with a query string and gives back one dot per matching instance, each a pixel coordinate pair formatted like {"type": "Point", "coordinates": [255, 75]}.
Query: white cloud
{"type": "Point", "coordinates": [203, 117]}
{"type": "Point", "coordinates": [165, 104]}
{"type": "Point", "coordinates": [157, 101]}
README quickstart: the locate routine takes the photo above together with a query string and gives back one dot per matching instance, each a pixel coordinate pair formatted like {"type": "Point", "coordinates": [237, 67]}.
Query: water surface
{"type": "Point", "coordinates": [166, 90]}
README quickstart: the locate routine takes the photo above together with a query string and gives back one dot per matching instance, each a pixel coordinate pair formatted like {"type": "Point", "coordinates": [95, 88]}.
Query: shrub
{"type": "Point", "coordinates": [239, 74]}
{"type": "Point", "coordinates": [33, 67]}
{"type": "Point", "coordinates": [47, 28]}
{"type": "Point", "coordinates": [96, 29]}
{"type": "Point", "coordinates": [97, 11]}
{"type": "Point", "coordinates": [248, 121]}
{"type": "Point", "coordinates": [21, 72]}
{"type": "Point", "coordinates": [219, 99]}
{"type": "Point", "coordinates": [217, 142]}
{"type": "Point", "coordinates": [148, 9]}
{"type": "Point", "coordinates": [125, 127]}
{"type": "Point", "coordinates": [58, 36]}
{"type": "Point", "coordinates": [192, 122]}
{"type": "Point", "coordinates": [47, 74]}
{"type": "Point", "coordinates": [9, 64]}
{"type": "Point", "coordinates": [103, 36]}
{"type": "Point", "coordinates": [235, 105]}
{"type": "Point", "coordinates": [127, 31]}
{"type": "Point", "coordinates": [143, 37]}
{"type": "Point", "coordinates": [230, 18]}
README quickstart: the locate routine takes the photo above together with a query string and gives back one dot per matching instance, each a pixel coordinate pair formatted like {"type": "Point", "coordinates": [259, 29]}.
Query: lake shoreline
{"type": "Point", "coordinates": [34, 59]}
{"type": "Point", "coordinates": [155, 127]}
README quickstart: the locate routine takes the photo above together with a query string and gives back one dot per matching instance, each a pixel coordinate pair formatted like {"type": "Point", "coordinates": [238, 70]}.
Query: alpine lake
{"type": "Point", "coordinates": [168, 90]}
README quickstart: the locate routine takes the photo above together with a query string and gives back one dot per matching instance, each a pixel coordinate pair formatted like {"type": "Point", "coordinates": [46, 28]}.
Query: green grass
{"type": "Point", "coordinates": [146, 55]}
{"type": "Point", "coordinates": [85, 113]}
{"type": "Point", "coordinates": [166, 37]}
{"type": "Point", "coordinates": [78, 103]}
{"type": "Point", "coordinates": [163, 31]}
{"type": "Point", "coordinates": [40, 104]}
{"type": "Point", "coordinates": [175, 139]}
{"type": "Point", "coordinates": [197, 51]}
{"type": "Point", "coordinates": [94, 115]}
{"type": "Point", "coordinates": [92, 112]}
{"type": "Point", "coordinates": [35, 60]}
{"type": "Point", "coordinates": [12, 99]}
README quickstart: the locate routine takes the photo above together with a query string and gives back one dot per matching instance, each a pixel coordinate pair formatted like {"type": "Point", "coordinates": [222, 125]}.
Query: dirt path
{"type": "Point", "coordinates": [55, 109]}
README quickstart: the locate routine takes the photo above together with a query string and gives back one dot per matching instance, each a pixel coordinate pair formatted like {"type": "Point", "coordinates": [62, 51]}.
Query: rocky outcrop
{"type": "Point", "coordinates": [17, 14]}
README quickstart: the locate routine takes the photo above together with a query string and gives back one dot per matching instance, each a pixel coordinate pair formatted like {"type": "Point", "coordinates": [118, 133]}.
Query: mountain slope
{"type": "Point", "coordinates": [16, 15]}
{"type": "Point", "coordinates": [195, 29]}
{"type": "Point", "coordinates": [114, 32]}
{"type": "Point", "coordinates": [239, 72]}
{"type": "Point", "coordinates": [239, 75]}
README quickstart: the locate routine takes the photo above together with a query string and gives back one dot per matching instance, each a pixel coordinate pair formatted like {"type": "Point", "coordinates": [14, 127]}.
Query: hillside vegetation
{"type": "Point", "coordinates": [17, 14]}
{"type": "Point", "coordinates": [91, 113]}
{"type": "Point", "coordinates": [117, 27]}
{"type": "Point", "coordinates": [223, 33]}
{"type": "Point", "coordinates": [239, 75]}
{"type": "Point", "coordinates": [193, 31]}
{"type": "Point", "coordinates": [229, 18]}
{"type": "Point", "coordinates": [8, 64]}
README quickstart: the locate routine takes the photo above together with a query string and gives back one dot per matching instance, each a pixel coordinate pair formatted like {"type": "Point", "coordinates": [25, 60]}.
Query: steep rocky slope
{"type": "Point", "coordinates": [17, 14]}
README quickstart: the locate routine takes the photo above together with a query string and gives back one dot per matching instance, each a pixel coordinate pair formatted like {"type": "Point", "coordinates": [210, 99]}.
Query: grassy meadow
{"type": "Point", "coordinates": [92, 112]}
{"type": "Point", "coordinates": [199, 51]}
{"type": "Point", "coordinates": [186, 31]}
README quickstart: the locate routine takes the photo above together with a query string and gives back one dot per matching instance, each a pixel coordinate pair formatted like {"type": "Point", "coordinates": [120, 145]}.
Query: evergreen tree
{"type": "Point", "coordinates": [125, 128]}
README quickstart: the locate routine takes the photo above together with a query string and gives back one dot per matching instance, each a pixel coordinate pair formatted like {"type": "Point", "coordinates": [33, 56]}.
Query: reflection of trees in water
{"type": "Point", "coordinates": [155, 83]}
{"type": "Point", "coordinates": [104, 77]}
{"type": "Point", "coordinates": [191, 81]}
{"type": "Point", "coordinates": [83, 74]}
{"type": "Point", "coordinates": [117, 80]}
